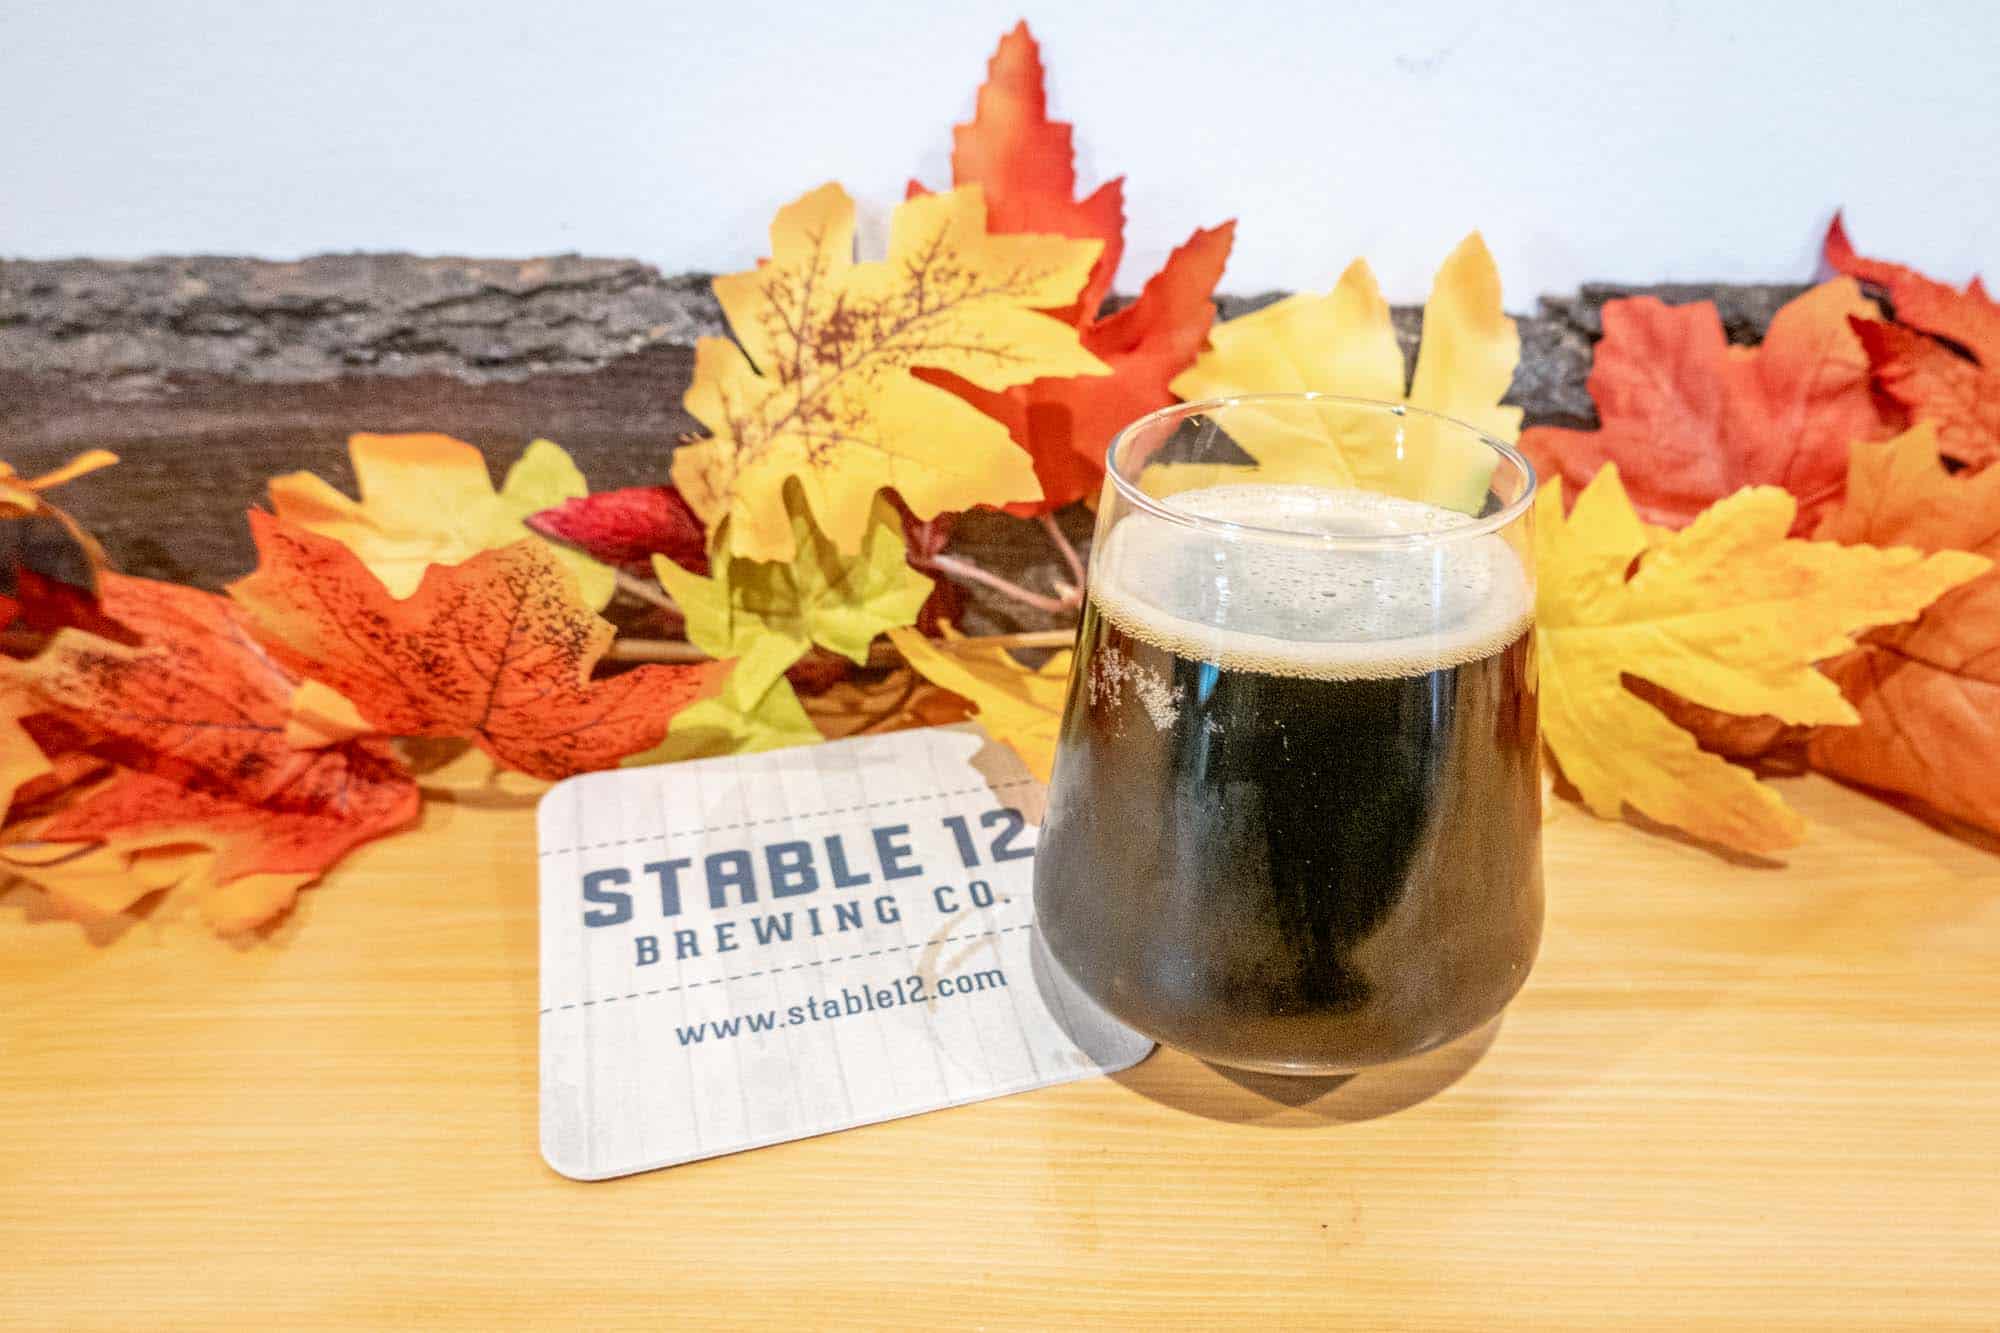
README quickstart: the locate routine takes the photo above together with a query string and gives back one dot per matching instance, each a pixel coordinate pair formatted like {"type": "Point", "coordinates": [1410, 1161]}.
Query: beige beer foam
{"type": "Point", "coordinates": [1323, 613]}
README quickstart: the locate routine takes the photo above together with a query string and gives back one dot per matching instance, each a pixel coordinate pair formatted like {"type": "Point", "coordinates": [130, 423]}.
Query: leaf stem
{"type": "Point", "coordinates": [1069, 555]}
{"type": "Point", "coordinates": [882, 654]}
{"type": "Point", "coordinates": [967, 572]}
{"type": "Point", "coordinates": [634, 586]}
{"type": "Point", "coordinates": [654, 650]}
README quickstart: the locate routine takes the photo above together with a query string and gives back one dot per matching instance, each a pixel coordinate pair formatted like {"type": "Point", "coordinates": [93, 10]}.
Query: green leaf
{"type": "Point", "coordinates": [840, 602]}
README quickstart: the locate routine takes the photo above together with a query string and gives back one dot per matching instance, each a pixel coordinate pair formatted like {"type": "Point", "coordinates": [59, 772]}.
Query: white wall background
{"type": "Point", "coordinates": [1644, 142]}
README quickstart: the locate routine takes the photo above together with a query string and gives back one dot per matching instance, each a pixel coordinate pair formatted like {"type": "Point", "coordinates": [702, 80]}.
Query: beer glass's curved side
{"type": "Point", "coordinates": [1295, 817]}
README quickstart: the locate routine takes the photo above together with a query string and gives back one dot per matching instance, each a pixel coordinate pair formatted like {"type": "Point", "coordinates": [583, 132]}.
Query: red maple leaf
{"type": "Point", "coordinates": [194, 715]}
{"type": "Point", "coordinates": [497, 649]}
{"type": "Point", "coordinates": [1690, 419]}
{"type": "Point", "coordinates": [1025, 163]}
{"type": "Point", "coordinates": [1969, 318]}
{"type": "Point", "coordinates": [45, 605]}
{"type": "Point", "coordinates": [1932, 383]}
{"type": "Point", "coordinates": [628, 528]}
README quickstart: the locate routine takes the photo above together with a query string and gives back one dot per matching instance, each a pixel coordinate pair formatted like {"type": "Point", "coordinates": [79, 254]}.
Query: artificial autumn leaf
{"type": "Point", "coordinates": [821, 389]}
{"type": "Point", "coordinates": [42, 606]}
{"type": "Point", "coordinates": [195, 715]}
{"type": "Point", "coordinates": [627, 528]}
{"type": "Point", "coordinates": [105, 878]}
{"type": "Point", "coordinates": [1969, 318]}
{"type": "Point", "coordinates": [197, 697]}
{"type": "Point", "coordinates": [1689, 419]}
{"type": "Point", "coordinates": [1067, 424]}
{"type": "Point", "coordinates": [46, 605]}
{"type": "Point", "coordinates": [319, 716]}
{"type": "Point", "coordinates": [898, 700]}
{"type": "Point", "coordinates": [263, 853]}
{"type": "Point", "coordinates": [1935, 384]}
{"type": "Point", "coordinates": [22, 761]}
{"type": "Point", "coordinates": [1728, 614]}
{"type": "Point", "coordinates": [1928, 694]}
{"type": "Point", "coordinates": [71, 768]}
{"type": "Point", "coordinates": [1016, 704]}
{"type": "Point", "coordinates": [428, 500]}
{"type": "Point", "coordinates": [1026, 165]}
{"type": "Point", "coordinates": [1343, 343]}
{"type": "Point", "coordinates": [840, 602]}
{"type": "Point", "coordinates": [756, 709]}
{"type": "Point", "coordinates": [497, 649]}
{"type": "Point", "coordinates": [23, 497]}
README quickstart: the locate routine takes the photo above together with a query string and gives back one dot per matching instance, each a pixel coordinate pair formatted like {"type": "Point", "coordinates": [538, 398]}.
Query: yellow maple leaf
{"type": "Point", "coordinates": [1344, 343]}
{"type": "Point", "coordinates": [840, 602]}
{"type": "Point", "coordinates": [821, 389]}
{"type": "Point", "coordinates": [23, 497]}
{"type": "Point", "coordinates": [1727, 613]}
{"type": "Point", "coordinates": [1018, 705]}
{"type": "Point", "coordinates": [428, 500]}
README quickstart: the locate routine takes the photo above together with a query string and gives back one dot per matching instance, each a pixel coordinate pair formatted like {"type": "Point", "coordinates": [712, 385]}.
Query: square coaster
{"type": "Point", "coordinates": [739, 952]}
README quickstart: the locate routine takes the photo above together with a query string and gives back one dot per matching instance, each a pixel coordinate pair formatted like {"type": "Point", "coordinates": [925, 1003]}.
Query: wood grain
{"type": "Point", "coordinates": [1730, 1095]}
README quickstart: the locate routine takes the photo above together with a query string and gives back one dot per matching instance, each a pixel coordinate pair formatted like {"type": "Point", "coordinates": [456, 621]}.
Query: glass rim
{"type": "Point", "coordinates": [1165, 509]}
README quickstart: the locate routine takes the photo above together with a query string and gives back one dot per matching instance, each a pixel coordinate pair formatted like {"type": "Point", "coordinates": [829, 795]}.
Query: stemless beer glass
{"type": "Point", "coordinates": [1295, 822]}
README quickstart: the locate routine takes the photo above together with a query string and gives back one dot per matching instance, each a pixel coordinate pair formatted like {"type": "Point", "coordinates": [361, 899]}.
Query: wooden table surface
{"type": "Point", "coordinates": [1735, 1094]}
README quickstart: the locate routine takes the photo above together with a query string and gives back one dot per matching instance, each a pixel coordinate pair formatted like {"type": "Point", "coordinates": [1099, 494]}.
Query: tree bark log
{"type": "Point", "coordinates": [210, 376]}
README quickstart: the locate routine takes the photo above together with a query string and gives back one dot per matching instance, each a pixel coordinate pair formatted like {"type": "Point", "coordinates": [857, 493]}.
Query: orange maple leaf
{"type": "Point", "coordinates": [497, 649]}
{"type": "Point", "coordinates": [1067, 424]}
{"type": "Point", "coordinates": [1935, 384]}
{"type": "Point", "coordinates": [1969, 318]}
{"type": "Point", "coordinates": [263, 854]}
{"type": "Point", "coordinates": [1690, 419]}
{"type": "Point", "coordinates": [1026, 164]}
{"type": "Point", "coordinates": [1929, 692]}
{"type": "Point", "coordinates": [194, 715]}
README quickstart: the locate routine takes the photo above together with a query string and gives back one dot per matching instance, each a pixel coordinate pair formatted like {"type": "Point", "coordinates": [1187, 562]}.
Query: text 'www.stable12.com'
{"type": "Point", "coordinates": [847, 1004]}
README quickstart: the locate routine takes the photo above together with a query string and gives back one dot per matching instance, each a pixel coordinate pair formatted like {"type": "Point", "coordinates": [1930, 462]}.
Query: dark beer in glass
{"type": "Point", "coordinates": [1295, 818]}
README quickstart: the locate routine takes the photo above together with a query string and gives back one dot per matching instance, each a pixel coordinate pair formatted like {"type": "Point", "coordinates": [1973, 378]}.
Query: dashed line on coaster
{"type": "Point", "coordinates": [773, 971]}
{"type": "Point", "coordinates": [785, 819]}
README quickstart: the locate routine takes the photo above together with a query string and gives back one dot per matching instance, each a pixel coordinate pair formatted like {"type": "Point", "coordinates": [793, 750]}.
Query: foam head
{"type": "Point", "coordinates": [1294, 609]}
